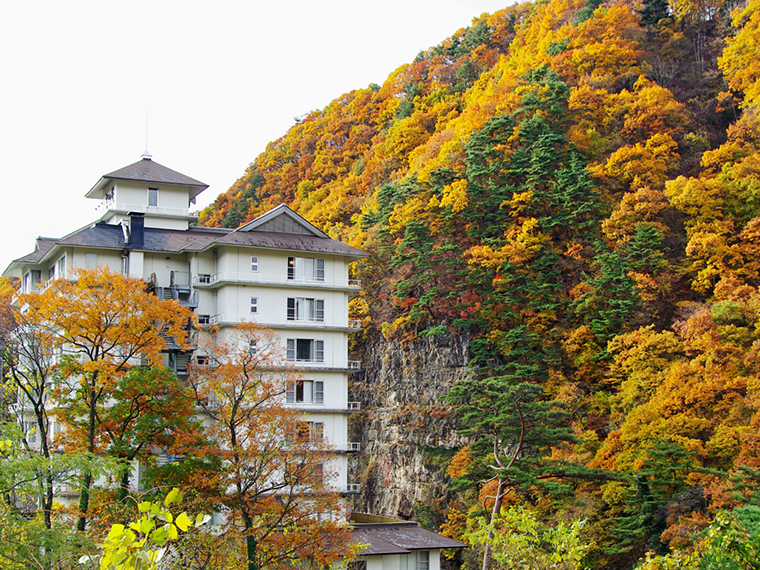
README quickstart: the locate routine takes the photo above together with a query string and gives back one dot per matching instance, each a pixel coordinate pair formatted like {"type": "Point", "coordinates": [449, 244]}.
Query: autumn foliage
{"type": "Point", "coordinates": [573, 186]}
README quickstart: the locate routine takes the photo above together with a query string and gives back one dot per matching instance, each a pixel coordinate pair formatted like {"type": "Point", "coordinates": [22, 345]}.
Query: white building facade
{"type": "Point", "coordinates": [278, 270]}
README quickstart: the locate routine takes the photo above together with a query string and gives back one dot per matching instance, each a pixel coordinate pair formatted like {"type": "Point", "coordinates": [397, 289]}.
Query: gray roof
{"type": "Point", "coordinates": [399, 538]}
{"type": "Point", "coordinates": [146, 170]}
{"type": "Point", "coordinates": [41, 247]}
{"type": "Point", "coordinates": [109, 236]}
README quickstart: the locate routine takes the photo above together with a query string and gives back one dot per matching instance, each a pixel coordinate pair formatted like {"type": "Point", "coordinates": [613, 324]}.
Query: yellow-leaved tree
{"type": "Point", "coordinates": [99, 324]}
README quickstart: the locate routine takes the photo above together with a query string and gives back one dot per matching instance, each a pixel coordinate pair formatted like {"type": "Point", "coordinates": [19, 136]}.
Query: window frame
{"type": "Point", "coordinates": [316, 350]}
{"type": "Point", "coordinates": [153, 197]}
{"type": "Point", "coordinates": [317, 391]}
{"type": "Point", "coordinates": [312, 271]}
{"type": "Point", "coordinates": [313, 309]}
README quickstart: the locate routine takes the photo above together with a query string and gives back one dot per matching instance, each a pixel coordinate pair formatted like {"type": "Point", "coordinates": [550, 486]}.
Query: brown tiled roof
{"type": "Point", "coordinates": [399, 538]}
{"type": "Point", "coordinates": [146, 170]}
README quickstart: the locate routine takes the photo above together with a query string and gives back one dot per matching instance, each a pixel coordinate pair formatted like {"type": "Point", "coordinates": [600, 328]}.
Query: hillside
{"type": "Point", "coordinates": [574, 187]}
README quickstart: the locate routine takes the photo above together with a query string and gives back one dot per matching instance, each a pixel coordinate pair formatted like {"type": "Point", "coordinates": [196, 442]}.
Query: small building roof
{"type": "Point", "coordinates": [146, 170]}
{"type": "Point", "coordinates": [399, 538]}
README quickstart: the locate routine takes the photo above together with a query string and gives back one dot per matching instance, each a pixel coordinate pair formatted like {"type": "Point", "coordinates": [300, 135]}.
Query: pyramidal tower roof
{"type": "Point", "coordinates": [147, 170]}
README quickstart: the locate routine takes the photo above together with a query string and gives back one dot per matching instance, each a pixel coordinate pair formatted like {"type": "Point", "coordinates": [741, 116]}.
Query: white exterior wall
{"type": "Point", "coordinates": [162, 265]}
{"type": "Point", "coordinates": [107, 258]}
{"type": "Point", "coordinates": [169, 196]}
{"type": "Point", "coordinates": [228, 301]}
{"type": "Point", "coordinates": [401, 561]}
{"type": "Point", "coordinates": [231, 296]}
{"type": "Point", "coordinates": [129, 196]}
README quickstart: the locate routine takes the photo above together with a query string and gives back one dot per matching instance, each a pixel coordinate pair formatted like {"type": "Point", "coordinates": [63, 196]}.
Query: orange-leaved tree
{"type": "Point", "coordinates": [101, 324]}
{"type": "Point", "coordinates": [273, 480]}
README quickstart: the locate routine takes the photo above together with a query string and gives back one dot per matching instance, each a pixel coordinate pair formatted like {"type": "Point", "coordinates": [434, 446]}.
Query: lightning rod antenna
{"type": "Point", "coordinates": [146, 154]}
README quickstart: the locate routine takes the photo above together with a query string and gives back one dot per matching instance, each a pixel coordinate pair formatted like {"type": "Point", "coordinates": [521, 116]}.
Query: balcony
{"type": "Point", "coordinates": [212, 281]}
{"type": "Point", "coordinates": [353, 489]}
{"type": "Point", "coordinates": [157, 211]}
{"type": "Point", "coordinates": [351, 325]}
{"type": "Point", "coordinates": [353, 446]}
{"type": "Point", "coordinates": [354, 406]}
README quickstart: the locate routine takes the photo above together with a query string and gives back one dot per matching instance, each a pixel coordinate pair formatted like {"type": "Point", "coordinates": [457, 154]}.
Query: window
{"type": "Point", "coordinates": [310, 432]}
{"type": "Point", "coordinates": [423, 560]}
{"type": "Point", "coordinates": [152, 196]}
{"type": "Point", "coordinates": [60, 267]}
{"type": "Point", "coordinates": [306, 269]}
{"type": "Point", "coordinates": [30, 431]}
{"type": "Point", "coordinates": [254, 263]}
{"type": "Point", "coordinates": [306, 350]}
{"type": "Point", "coordinates": [253, 347]}
{"type": "Point", "coordinates": [301, 309]}
{"type": "Point", "coordinates": [306, 392]}
{"type": "Point", "coordinates": [204, 319]}
{"type": "Point", "coordinates": [204, 278]}
{"type": "Point", "coordinates": [254, 304]}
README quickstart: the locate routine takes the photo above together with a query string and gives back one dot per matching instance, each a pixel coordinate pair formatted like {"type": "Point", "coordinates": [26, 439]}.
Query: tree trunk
{"type": "Point", "coordinates": [124, 485]}
{"type": "Point", "coordinates": [494, 513]}
{"type": "Point", "coordinates": [250, 545]}
{"type": "Point", "coordinates": [84, 501]}
{"type": "Point", "coordinates": [84, 498]}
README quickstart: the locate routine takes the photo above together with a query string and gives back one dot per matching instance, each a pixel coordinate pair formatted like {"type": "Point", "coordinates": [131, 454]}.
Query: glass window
{"type": "Point", "coordinates": [423, 560]}
{"type": "Point", "coordinates": [254, 263]}
{"type": "Point", "coordinates": [60, 267]}
{"type": "Point", "coordinates": [254, 304]}
{"type": "Point", "coordinates": [309, 431]}
{"type": "Point", "coordinates": [152, 196]}
{"type": "Point", "coordinates": [305, 350]}
{"type": "Point", "coordinates": [305, 392]}
{"type": "Point", "coordinates": [303, 309]}
{"type": "Point", "coordinates": [306, 269]}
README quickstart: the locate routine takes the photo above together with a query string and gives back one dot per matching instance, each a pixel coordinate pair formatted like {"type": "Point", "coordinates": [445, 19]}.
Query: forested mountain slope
{"type": "Point", "coordinates": [575, 185]}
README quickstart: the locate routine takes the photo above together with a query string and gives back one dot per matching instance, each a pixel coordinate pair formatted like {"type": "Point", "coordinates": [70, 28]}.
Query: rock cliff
{"type": "Point", "coordinates": [408, 434]}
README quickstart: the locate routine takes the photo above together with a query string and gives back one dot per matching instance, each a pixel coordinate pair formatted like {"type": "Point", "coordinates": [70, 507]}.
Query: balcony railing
{"type": "Point", "coordinates": [354, 406]}
{"type": "Point", "coordinates": [210, 280]}
{"type": "Point", "coordinates": [353, 446]}
{"type": "Point", "coordinates": [155, 210]}
{"type": "Point", "coordinates": [354, 365]}
{"type": "Point", "coordinates": [352, 324]}
{"type": "Point", "coordinates": [353, 488]}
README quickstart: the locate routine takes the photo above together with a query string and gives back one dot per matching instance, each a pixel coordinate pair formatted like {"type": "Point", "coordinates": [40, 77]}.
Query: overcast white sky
{"type": "Point", "coordinates": [218, 81]}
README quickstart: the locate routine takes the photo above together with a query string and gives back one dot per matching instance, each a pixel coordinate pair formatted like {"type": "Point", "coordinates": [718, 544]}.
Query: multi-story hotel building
{"type": "Point", "coordinates": [278, 270]}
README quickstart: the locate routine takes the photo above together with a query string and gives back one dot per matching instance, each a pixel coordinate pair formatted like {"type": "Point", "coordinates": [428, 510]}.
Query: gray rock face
{"type": "Point", "coordinates": [408, 433]}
